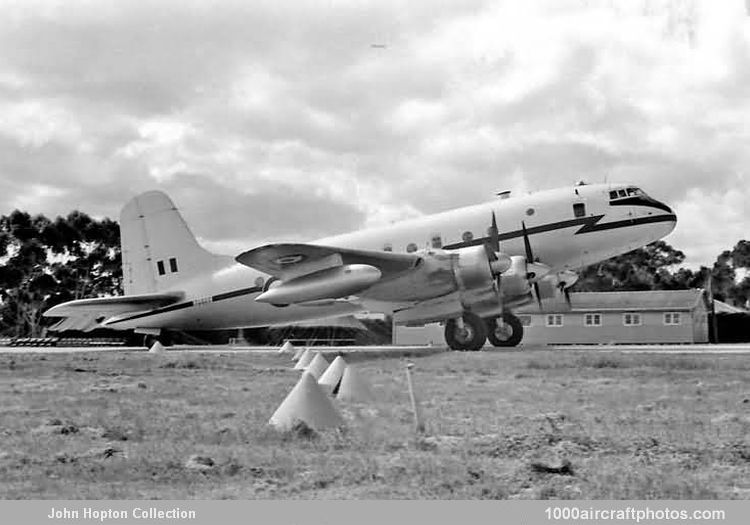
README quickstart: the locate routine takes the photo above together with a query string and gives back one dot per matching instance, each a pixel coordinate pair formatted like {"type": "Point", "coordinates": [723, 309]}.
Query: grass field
{"type": "Point", "coordinates": [524, 424]}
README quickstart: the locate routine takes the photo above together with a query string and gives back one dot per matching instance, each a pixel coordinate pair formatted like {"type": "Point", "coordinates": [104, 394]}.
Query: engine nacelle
{"type": "Point", "coordinates": [513, 281]}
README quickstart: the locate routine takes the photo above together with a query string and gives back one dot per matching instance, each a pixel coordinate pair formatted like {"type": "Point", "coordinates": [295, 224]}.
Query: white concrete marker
{"type": "Point", "coordinates": [304, 360]}
{"type": "Point", "coordinates": [157, 348]}
{"type": "Point", "coordinates": [298, 354]}
{"type": "Point", "coordinates": [308, 403]}
{"type": "Point", "coordinates": [317, 366]}
{"type": "Point", "coordinates": [354, 387]}
{"type": "Point", "coordinates": [286, 348]}
{"type": "Point", "coordinates": [332, 376]}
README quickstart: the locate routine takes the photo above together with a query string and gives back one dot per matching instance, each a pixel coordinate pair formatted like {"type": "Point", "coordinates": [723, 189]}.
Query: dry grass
{"type": "Point", "coordinates": [123, 425]}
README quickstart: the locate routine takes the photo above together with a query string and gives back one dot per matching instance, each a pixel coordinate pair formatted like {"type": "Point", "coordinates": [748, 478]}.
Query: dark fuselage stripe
{"type": "Point", "coordinates": [588, 225]}
{"type": "Point", "coordinates": [188, 304]}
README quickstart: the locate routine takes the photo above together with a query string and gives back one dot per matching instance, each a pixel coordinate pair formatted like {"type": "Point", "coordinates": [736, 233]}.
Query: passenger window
{"type": "Point", "coordinates": [467, 236]}
{"type": "Point", "coordinates": [437, 242]}
{"type": "Point", "coordinates": [160, 267]}
{"type": "Point", "coordinates": [579, 209]}
{"type": "Point", "coordinates": [173, 264]}
{"type": "Point", "coordinates": [411, 247]}
{"type": "Point", "coordinates": [388, 247]}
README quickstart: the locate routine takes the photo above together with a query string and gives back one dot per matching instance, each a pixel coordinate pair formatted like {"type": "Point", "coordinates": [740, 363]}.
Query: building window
{"type": "Point", "coordinates": [173, 265]}
{"type": "Point", "coordinates": [411, 247]}
{"type": "Point", "coordinates": [525, 320]}
{"type": "Point", "coordinates": [672, 318]}
{"type": "Point", "coordinates": [388, 247]}
{"type": "Point", "coordinates": [592, 320]}
{"type": "Point", "coordinates": [437, 242]}
{"type": "Point", "coordinates": [467, 236]}
{"type": "Point", "coordinates": [160, 267]}
{"type": "Point", "coordinates": [631, 319]}
{"type": "Point", "coordinates": [554, 320]}
{"type": "Point", "coordinates": [579, 209]}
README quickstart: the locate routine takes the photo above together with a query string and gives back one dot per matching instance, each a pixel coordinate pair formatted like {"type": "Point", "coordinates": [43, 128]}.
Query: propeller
{"type": "Point", "coordinates": [492, 247]}
{"type": "Point", "coordinates": [492, 244]}
{"type": "Point", "coordinates": [566, 293]}
{"type": "Point", "coordinates": [530, 259]}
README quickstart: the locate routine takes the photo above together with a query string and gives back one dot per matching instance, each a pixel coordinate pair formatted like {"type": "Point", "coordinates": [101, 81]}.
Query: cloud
{"type": "Point", "coordinates": [356, 114]}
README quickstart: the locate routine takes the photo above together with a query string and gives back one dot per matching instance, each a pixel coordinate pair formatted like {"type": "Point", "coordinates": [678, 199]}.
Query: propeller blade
{"type": "Point", "coordinates": [494, 235]}
{"type": "Point", "coordinates": [566, 293]}
{"type": "Point", "coordinates": [492, 244]}
{"type": "Point", "coordinates": [538, 297]}
{"type": "Point", "coordinates": [527, 244]}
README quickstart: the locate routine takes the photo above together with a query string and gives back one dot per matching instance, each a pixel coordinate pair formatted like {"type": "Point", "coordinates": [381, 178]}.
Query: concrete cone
{"type": "Point", "coordinates": [306, 402]}
{"type": "Point", "coordinates": [332, 376]}
{"type": "Point", "coordinates": [304, 360]}
{"type": "Point", "coordinates": [286, 348]}
{"type": "Point", "coordinates": [157, 348]}
{"type": "Point", "coordinates": [317, 366]}
{"type": "Point", "coordinates": [298, 354]}
{"type": "Point", "coordinates": [353, 387]}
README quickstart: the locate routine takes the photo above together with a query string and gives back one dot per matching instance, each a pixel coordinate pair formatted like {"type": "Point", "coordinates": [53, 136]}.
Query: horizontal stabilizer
{"type": "Point", "coordinates": [87, 314]}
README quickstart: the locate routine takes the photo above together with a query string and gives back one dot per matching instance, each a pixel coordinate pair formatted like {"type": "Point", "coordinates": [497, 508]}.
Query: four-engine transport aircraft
{"type": "Point", "coordinates": [467, 267]}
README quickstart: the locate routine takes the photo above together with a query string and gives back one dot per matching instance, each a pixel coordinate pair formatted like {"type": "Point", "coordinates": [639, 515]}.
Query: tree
{"type": "Point", "coordinates": [45, 263]}
{"type": "Point", "coordinates": [646, 268]}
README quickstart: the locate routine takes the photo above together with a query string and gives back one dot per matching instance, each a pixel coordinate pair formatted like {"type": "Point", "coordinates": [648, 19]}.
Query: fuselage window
{"type": "Point", "coordinates": [579, 209]}
{"type": "Point", "coordinates": [411, 247]}
{"type": "Point", "coordinates": [437, 241]}
{"type": "Point", "coordinates": [173, 264]}
{"type": "Point", "coordinates": [388, 247]}
{"type": "Point", "coordinates": [530, 212]}
{"type": "Point", "coordinates": [467, 236]}
{"type": "Point", "coordinates": [160, 267]}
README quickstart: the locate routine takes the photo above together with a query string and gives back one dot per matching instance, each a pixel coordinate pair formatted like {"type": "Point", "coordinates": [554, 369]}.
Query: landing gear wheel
{"type": "Point", "coordinates": [471, 337]}
{"type": "Point", "coordinates": [510, 334]}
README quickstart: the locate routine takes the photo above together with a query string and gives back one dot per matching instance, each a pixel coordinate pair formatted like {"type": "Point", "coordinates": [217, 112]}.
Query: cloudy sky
{"type": "Point", "coordinates": [268, 120]}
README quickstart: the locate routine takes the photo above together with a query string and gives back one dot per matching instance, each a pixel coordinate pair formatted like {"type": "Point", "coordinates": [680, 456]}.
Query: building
{"type": "Point", "coordinates": [669, 316]}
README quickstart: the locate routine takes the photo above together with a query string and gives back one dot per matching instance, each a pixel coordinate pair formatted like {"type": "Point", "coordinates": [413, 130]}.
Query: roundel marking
{"type": "Point", "coordinates": [290, 259]}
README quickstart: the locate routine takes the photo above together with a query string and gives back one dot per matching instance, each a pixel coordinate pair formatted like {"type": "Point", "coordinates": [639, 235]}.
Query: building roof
{"type": "Point", "coordinates": [621, 301]}
{"type": "Point", "coordinates": [724, 308]}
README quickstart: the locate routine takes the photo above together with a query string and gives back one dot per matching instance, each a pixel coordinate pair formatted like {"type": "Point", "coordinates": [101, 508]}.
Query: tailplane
{"type": "Point", "coordinates": [158, 249]}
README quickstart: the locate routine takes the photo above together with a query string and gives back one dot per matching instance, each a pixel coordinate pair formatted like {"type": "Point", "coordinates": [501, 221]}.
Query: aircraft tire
{"type": "Point", "coordinates": [472, 337]}
{"type": "Point", "coordinates": [498, 338]}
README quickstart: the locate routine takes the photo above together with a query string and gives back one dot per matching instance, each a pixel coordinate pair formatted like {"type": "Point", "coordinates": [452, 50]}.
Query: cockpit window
{"type": "Point", "coordinates": [626, 192]}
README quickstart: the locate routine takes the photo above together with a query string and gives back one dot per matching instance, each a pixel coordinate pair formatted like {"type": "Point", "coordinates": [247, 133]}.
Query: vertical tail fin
{"type": "Point", "coordinates": [158, 249]}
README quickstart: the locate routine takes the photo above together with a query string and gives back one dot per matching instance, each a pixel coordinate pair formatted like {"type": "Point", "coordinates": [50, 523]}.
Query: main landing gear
{"type": "Point", "coordinates": [471, 331]}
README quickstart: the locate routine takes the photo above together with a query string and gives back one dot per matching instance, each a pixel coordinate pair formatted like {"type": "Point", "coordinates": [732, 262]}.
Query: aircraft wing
{"type": "Point", "coordinates": [87, 314]}
{"type": "Point", "coordinates": [287, 261]}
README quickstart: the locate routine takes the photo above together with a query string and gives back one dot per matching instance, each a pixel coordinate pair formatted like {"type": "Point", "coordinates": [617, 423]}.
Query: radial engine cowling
{"type": "Point", "coordinates": [475, 273]}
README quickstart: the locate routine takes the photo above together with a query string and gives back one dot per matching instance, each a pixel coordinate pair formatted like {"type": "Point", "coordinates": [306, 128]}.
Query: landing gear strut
{"type": "Point", "coordinates": [504, 331]}
{"type": "Point", "coordinates": [468, 333]}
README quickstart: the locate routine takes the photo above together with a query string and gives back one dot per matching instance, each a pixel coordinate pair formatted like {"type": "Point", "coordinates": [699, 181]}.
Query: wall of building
{"type": "Point", "coordinates": [651, 330]}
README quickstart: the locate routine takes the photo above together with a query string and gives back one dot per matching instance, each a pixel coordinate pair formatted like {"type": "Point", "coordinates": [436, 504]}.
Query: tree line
{"type": "Point", "coordinates": [45, 262]}
{"type": "Point", "coordinates": [657, 267]}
